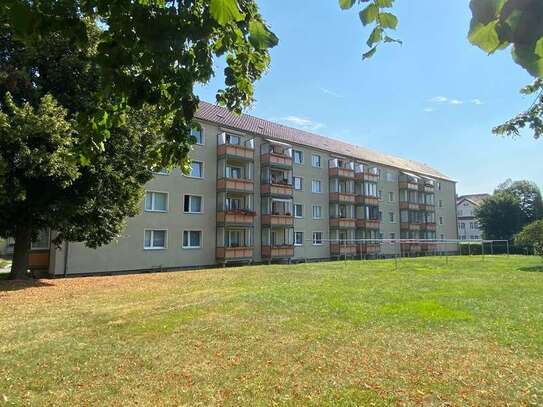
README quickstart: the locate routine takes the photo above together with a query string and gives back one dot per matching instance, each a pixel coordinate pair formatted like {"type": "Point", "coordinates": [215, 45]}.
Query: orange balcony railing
{"type": "Point", "coordinates": [233, 184]}
{"type": "Point", "coordinates": [367, 224]}
{"type": "Point", "coordinates": [410, 205]}
{"type": "Point", "coordinates": [338, 172]}
{"type": "Point", "coordinates": [342, 197]}
{"type": "Point", "coordinates": [273, 159]}
{"type": "Point", "coordinates": [276, 189]}
{"type": "Point", "coordinates": [342, 222]}
{"type": "Point", "coordinates": [234, 253]}
{"type": "Point", "coordinates": [236, 217]}
{"type": "Point", "coordinates": [240, 151]}
{"type": "Point", "coordinates": [367, 200]}
{"type": "Point", "coordinates": [340, 249]}
{"type": "Point", "coordinates": [277, 251]}
{"type": "Point", "coordinates": [277, 220]}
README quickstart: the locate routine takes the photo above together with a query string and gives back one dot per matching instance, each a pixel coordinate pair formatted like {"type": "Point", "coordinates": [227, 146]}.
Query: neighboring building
{"type": "Point", "coordinates": [262, 192]}
{"type": "Point", "coordinates": [468, 227]}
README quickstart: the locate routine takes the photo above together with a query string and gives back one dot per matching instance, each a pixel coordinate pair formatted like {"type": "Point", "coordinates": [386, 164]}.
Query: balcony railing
{"type": "Point", "coordinates": [368, 248]}
{"type": "Point", "coordinates": [429, 188]}
{"type": "Point", "coordinates": [235, 184]}
{"type": "Point", "coordinates": [285, 220]}
{"type": "Point", "coordinates": [368, 224]}
{"type": "Point", "coordinates": [367, 200]}
{"type": "Point", "coordinates": [234, 253]}
{"type": "Point", "coordinates": [241, 217]}
{"type": "Point", "coordinates": [342, 197]}
{"type": "Point", "coordinates": [342, 222]}
{"type": "Point", "coordinates": [428, 226]}
{"type": "Point", "coordinates": [410, 247]}
{"type": "Point", "coordinates": [276, 252]}
{"type": "Point", "coordinates": [284, 190]}
{"type": "Point", "coordinates": [414, 186]}
{"type": "Point", "coordinates": [242, 151]}
{"type": "Point", "coordinates": [275, 159]}
{"type": "Point", "coordinates": [338, 172]}
{"type": "Point", "coordinates": [410, 226]}
{"type": "Point", "coordinates": [342, 248]}
{"type": "Point", "coordinates": [410, 205]}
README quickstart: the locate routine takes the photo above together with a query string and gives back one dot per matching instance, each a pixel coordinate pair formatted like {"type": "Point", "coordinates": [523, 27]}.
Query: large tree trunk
{"type": "Point", "coordinates": [19, 266]}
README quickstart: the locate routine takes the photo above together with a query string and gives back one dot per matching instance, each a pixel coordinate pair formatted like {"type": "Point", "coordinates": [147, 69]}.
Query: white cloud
{"type": "Point", "coordinates": [476, 101]}
{"type": "Point", "coordinates": [330, 92]}
{"type": "Point", "coordinates": [439, 99]}
{"type": "Point", "coordinates": [455, 102]}
{"type": "Point", "coordinates": [302, 123]}
{"type": "Point", "coordinates": [451, 101]}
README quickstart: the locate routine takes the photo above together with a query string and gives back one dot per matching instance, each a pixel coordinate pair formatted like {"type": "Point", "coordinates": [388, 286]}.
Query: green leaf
{"type": "Point", "coordinates": [390, 39]}
{"type": "Point", "coordinates": [369, 54]}
{"type": "Point", "coordinates": [369, 14]}
{"type": "Point", "coordinates": [346, 4]}
{"type": "Point", "coordinates": [375, 36]}
{"type": "Point", "coordinates": [388, 20]}
{"type": "Point", "coordinates": [384, 3]}
{"type": "Point", "coordinates": [225, 11]}
{"type": "Point", "coordinates": [260, 37]}
{"type": "Point", "coordinates": [539, 48]}
{"type": "Point", "coordinates": [485, 36]}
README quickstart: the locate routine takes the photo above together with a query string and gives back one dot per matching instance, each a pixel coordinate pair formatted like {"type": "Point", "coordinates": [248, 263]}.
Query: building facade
{"type": "Point", "coordinates": [263, 192]}
{"type": "Point", "coordinates": [468, 227]}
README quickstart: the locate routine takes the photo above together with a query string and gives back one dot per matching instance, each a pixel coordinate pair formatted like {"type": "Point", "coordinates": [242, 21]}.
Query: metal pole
{"type": "Point", "coordinates": [507, 241]}
{"type": "Point", "coordinates": [492, 247]}
{"type": "Point", "coordinates": [469, 248]}
{"type": "Point", "coordinates": [483, 249]}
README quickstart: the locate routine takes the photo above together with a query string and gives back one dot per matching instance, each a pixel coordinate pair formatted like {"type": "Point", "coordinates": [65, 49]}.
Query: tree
{"type": "Point", "coordinates": [532, 236]}
{"type": "Point", "coordinates": [500, 216]}
{"type": "Point", "coordinates": [495, 25]}
{"type": "Point", "coordinates": [44, 182]}
{"type": "Point", "coordinates": [529, 197]}
{"type": "Point", "coordinates": [152, 52]}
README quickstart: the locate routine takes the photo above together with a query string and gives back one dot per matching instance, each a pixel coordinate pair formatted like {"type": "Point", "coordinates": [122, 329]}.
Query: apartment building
{"type": "Point", "coordinates": [468, 227]}
{"type": "Point", "coordinates": [263, 192]}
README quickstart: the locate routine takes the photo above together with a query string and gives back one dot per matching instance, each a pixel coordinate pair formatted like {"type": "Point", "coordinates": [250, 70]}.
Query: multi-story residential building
{"type": "Point", "coordinates": [468, 227]}
{"type": "Point", "coordinates": [262, 192]}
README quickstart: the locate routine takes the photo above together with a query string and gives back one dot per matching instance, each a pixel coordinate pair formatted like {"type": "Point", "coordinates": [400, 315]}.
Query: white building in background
{"type": "Point", "coordinates": [468, 227]}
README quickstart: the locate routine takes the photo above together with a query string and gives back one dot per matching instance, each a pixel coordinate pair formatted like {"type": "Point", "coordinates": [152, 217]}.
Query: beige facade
{"type": "Point", "coordinates": [245, 206]}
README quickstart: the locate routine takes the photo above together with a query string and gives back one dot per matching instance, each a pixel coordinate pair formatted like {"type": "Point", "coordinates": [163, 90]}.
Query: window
{"type": "Point", "coordinates": [233, 172]}
{"type": "Point", "coordinates": [440, 203]}
{"type": "Point", "coordinates": [193, 204]}
{"type": "Point", "coordinates": [298, 185]}
{"type": "Point", "coordinates": [192, 239]}
{"type": "Point", "coordinates": [380, 215]}
{"type": "Point", "coordinates": [317, 212]}
{"type": "Point", "coordinates": [298, 157]}
{"type": "Point", "coordinates": [196, 169]}
{"type": "Point", "coordinates": [316, 160]}
{"type": "Point", "coordinates": [232, 238]}
{"type": "Point", "coordinates": [391, 217]}
{"type": "Point", "coordinates": [391, 197]}
{"type": "Point", "coordinates": [438, 186]}
{"type": "Point", "coordinates": [471, 225]}
{"type": "Point", "coordinates": [198, 134]}
{"type": "Point", "coordinates": [317, 238]}
{"type": "Point", "coordinates": [462, 226]}
{"type": "Point", "coordinates": [41, 241]}
{"type": "Point", "coordinates": [156, 201]}
{"type": "Point", "coordinates": [298, 211]}
{"type": "Point", "coordinates": [441, 220]}
{"type": "Point", "coordinates": [154, 239]}
{"type": "Point", "coordinates": [390, 176]}
{"type": "Point", "coordinates": [232, 139]}
{"type": "Point", "coordinates": [442, 237]}
{"type": "Point", "coordinates": [298, 238]}
{"type": "Point", "coordinates": [316, 186]}
{"type": "Point", "coordinates": [233, 203]}
{"type": "Point", "coordinates": [393, 236]}
{"type": "Point", "coordinates": [379, 195]}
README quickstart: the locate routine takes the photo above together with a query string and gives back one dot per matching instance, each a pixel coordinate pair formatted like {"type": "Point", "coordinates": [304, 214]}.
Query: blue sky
{"type": "Point", "coordinates": [434, 99]}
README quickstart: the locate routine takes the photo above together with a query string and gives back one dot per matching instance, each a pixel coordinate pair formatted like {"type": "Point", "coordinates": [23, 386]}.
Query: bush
{"type": "Point", "coordinates": [532, 236]}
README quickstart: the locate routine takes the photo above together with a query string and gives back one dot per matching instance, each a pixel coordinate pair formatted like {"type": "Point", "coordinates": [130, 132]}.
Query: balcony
{"type": "Point", "coordinates": [411, 185]}
{"type": "Point", "coordinates": [241, 217]}
{"type": "Point", "coordinates": [342, 197]}
{"type": "Point", "coordinates": [235, 185]}
{"type": "Point", "coordinates": [410, 205]}
{"type": "Point", "coordinates": [367, 200]}
{"type": "Point", "coordinates": [410, 247]}
{"type": "Point", "coordinates": [278, 220]}
{"type": "Point", "coordinates": [283, 190]}
{"type": "Point", "coordinates": [276, 160]}
{"type": "Point", "coordinates": [410, 226]}
{"type": "Point", "coordinates": [342, 222]}
{"type": "Point", "coordinates": [342, 249]}
{"type": "Point", "coordinates": [368, 248]}
{"type": "Point", "coordinates": [240, 151]}
{"type": "Point", "coordinates": [366, 177]}
{"type": "Point", "coordinates": [428, 188]}
{"type": "Point", "coordinates": [338, 172]}
{"type": "Point", "coordinates": [368, 224]}
{"type": "Point", "coordinates": [429, 226]}
{"type": "Point", "coordinates": [277, 252]}
{"type": "Point", "coordinates": [234, 253]}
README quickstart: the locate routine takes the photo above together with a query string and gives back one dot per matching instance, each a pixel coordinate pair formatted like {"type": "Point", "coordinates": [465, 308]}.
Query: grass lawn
{"type": "Point", "coordinates": [340, 333]}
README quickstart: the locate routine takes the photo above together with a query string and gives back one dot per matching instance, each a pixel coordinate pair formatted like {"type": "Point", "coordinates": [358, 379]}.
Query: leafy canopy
{"type": "Point", "coordinates": [532, 236]}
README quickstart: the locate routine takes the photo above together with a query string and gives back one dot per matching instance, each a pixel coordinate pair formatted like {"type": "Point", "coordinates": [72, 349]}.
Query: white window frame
{"type": "Point", "coordinates": [298, 244]}
{"type": "Point", "coordinates": [152, 233]}
{"type": "Point", "coordinates": [301, 183]}
{"type": "Point", "coordinates": [203, 136]}
{"type": "Point", "coordinates": [203, 170]}
{"type": "Point", "coordinates": [152, 201]}
{"type": "Point", "coordinates": [294, 210]}
{"type": "Point", "coordinates": [313, 211]}
{"type": "Point", "coordinates": [441, 220]}
{"type": "Point", "coordinates": [48, 246]}
{"type": "Point", "coordinates": [294, 151]}
{"type": "Point", "coordinates": [313, 183]}
{"type": "Point", "coordinates": [313, 161]}
{"type": "Point", "coordinates": [391, 196]}
{"type": "Point", "coordinates": [234, 167]}
{"type": "Point", "coordinates": [192, 247]}
{"type": "Point", "coordinates": [201, 206]}
{"type": "Point", "coordinates": [391, 219]}
{"type": "Point", "coordinates": [313, 238]}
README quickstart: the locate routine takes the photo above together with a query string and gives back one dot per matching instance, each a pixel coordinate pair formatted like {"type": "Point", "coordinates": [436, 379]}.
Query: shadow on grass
{"type": "Point", "coordinates": [536, 269]}
{"type": "Point", "coordinates": [15, 285]}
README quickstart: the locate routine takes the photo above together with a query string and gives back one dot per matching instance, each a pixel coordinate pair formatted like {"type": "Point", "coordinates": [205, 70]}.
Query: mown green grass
{"type": "Point", "coordinates": [340, 333]}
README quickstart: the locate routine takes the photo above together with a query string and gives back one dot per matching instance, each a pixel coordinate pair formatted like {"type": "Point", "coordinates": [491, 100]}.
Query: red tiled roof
{"type": "Point", "coordinates": [264, 128]}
